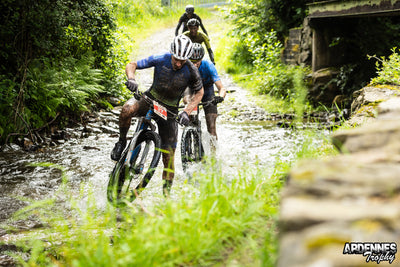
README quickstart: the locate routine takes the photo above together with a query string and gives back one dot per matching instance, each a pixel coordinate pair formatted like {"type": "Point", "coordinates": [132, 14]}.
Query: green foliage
{"type": "Point", "coordinates": [261, 16]}
{"type": "Point", "coordinates": [227, 216]}
{"type": "Point", "coordinates": [388, 70]}
{"type": "Point", "coordinates": [9, 92]}
{"type": "Point", "coordinates": [44, 45]}
{"type": "Point", "coordinates": [256, 46]}
{"type": "Point", "coordinates": [269, 74]}
{"type": "Point", "coordinates": [50, 89]}
{"type": "Point", "coordinates": [273, 77]}
{"type": "Point", "coordinates": [54, 29]}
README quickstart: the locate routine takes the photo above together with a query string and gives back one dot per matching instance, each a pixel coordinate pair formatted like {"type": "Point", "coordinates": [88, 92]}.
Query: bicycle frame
{"type": "Point", "coordinates": [196, 123]}
{"type": "Point", "coordinates": [143, 124]}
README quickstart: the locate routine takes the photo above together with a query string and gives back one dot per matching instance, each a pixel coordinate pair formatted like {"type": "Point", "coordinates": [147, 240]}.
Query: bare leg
{"type": "Point", "coordinates": [211, 119]}
{"type": "Point", "coordinates": [130, 109]}
{"type": "Point", "coordinates": [169, 170]}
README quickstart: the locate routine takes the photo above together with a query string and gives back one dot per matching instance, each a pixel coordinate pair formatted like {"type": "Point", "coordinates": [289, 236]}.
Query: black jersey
{"type": "Point", "coordinates": [184, 20]}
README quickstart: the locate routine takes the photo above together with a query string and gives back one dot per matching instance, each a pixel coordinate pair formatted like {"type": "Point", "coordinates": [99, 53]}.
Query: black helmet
{"type": "Point", "coordinates": [198, 52]}
{"type": "Point", "coordinates": [189, 9]}
{"type": "Point", "coordinates": [181, 47]}
{"type": "Point", "coordinates": [193, 22]}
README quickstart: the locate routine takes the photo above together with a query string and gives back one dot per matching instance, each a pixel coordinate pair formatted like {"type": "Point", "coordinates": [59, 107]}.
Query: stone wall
{"type": "Point", "coordinates": [351, 197]}
{"type": "Point", "coordinates": [297, 49]}
{"type": "Point", "coordinates": [292, 47]}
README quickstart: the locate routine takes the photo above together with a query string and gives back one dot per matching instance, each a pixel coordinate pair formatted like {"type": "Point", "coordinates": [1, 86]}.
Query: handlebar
{"type": "Point", "coordinates": [138, 95]}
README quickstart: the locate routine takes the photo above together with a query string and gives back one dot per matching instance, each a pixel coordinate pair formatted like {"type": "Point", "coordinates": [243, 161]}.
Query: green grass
{"type": "Point", "coordinates": [245, 76]}
{"type": "Point", "coordinates": [230, 217]}
{"type": "Point", "coordinates": [148, 18]}
{"type": "Point", "coordinates": [214, 220]}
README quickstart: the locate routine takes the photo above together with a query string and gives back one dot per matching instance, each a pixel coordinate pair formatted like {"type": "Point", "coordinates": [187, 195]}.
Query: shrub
{"type": "Point", "coordinates": [50, 89]}
{"type": "Point", "coordinates": [388, 70]}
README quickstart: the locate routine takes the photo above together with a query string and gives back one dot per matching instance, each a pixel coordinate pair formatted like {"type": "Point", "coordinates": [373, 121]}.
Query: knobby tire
{"type": "Point", "coordinates": [126, 183]}
{"type": "Point", "coordinates": [191, 147]}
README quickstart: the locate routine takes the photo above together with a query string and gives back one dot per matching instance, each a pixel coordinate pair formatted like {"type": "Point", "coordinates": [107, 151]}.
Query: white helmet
{"type": "Point", "coordinates": [198, 52]}
{"type": "Point", "coordinates": [181, 47]}
{"type": "Point", "coordinates": [189, 9]}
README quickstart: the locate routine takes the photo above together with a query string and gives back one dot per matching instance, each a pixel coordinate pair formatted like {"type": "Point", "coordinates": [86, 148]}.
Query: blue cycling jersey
{"type": "Point", "coordinates": [209, 76]}
{"type": "Point", "coordinates": [169, 84]}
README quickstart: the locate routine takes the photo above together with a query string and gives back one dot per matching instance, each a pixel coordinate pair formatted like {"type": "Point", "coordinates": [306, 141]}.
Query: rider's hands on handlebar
{"type": "Point", "coordinates": [183, 118]}
{"type": "Point", "coordinates": [133, 87]}
{"type": "Point", "coordinates": [217, 99]}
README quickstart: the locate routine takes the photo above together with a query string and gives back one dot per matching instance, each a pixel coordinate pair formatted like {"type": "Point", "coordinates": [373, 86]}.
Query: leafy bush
{"type": "Point", "coordinates": [261, 16]}
{"type": "Point", "coordinates": [271, 75]}
{"type": "Point", "coordinates": [41, 43]}
{"type": "Point", "coordinates": [388, 70]}
{"type": "Point", "coordinates": [50, 89]}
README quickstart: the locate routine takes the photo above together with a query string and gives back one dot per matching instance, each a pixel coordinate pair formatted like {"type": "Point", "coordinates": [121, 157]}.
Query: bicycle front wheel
{"type": "Point", "coordinates": [136, 167]}
{"type": "Point", "coordinates": [191, 147]}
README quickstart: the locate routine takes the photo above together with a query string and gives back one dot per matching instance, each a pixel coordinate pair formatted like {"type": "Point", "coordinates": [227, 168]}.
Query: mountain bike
{"type": "Point", "coordinates": [139, 160]}
{"type": "Point", "coordinates": [192, 150]}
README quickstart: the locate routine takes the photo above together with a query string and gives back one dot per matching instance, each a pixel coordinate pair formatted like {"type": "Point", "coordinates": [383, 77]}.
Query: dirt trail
{"type": "Point", "coordinates": [237, 98]}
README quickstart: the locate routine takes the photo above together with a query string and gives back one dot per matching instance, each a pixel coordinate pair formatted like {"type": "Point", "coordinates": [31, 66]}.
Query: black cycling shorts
{"type": "Point", "coordinates": [167, 129]}
{"type": "Point", "coordinates": [210, 109]}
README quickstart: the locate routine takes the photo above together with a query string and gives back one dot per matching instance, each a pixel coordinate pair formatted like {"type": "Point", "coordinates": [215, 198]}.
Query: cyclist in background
{"type": "Point", "coordinates": [183, 20]}
{"type": "Point", "coordinates": [199, 37]}
{"type": "Point", "coordinates": [209, 77]}
{"type": "Point", "coordinates": [173, 73]}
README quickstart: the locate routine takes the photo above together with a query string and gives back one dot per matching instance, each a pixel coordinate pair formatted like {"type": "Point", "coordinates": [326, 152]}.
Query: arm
{"type": "Point", "coordinates": [221, 89]}
{"type": "Point", "coordinates": [206, 41]}
{"type": "Point", "coordinates": [204, 29]}
{"type": "Point", "coordinates": [194, 101]}
{"type": "Point", "coordinates": [211, 55]}
{"type": "Point", "coordinates": [201, 23]}
{"type": "Point", "coordinates": [130, 70]}
{"type": "Point", "coordinates": [177, 28]}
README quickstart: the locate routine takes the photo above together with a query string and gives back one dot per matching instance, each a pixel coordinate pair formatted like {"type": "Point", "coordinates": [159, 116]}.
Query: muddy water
{"type": "Point", "coordinates": [244, 136]}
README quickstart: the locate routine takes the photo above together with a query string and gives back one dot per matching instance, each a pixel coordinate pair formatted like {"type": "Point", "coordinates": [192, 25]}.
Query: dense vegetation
{"type": "Point", "coordinates": [388, 69]}
{"type": "Point", "coordinates": [56, 56]}
{"type": "Point", "coordinates": [60, 58]}
{"type": "Point", "coordinates": [260, 28]}
{"type": "Point", "coordinates": [257, 37]}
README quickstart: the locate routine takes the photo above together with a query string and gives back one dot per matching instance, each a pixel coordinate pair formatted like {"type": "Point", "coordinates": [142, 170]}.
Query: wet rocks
{"type": "Point", "coordinates": [103, 122]}
{"type": "Point", "coordinates": [366, 101]}
{"type": "Point", "coordinates": [8, 206]}
{"type": "Point", "coordinates": [323, 90]}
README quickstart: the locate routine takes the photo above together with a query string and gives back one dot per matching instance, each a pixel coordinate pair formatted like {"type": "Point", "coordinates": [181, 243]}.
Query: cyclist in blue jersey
{"type": "Point", "coordinates": [173, 73]}
{"type": "Point", "coordinates": [209, 77]}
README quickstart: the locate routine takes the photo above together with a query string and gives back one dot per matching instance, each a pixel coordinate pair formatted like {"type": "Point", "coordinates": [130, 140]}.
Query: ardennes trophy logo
{"type": "Point", "coordinates": [373, 251]}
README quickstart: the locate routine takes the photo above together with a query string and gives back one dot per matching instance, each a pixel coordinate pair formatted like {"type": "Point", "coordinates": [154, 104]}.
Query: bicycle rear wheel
{"type": "Point", "coordinates": [134, 170]}
{"type": "Point", "coordinates": [191, 147]}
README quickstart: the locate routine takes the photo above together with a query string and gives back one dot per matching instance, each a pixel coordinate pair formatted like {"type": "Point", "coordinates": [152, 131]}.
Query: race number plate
{"type": "Point", "coordinates": [160, 110]}
{"type": "Point", "coordinates": [194, 112]}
